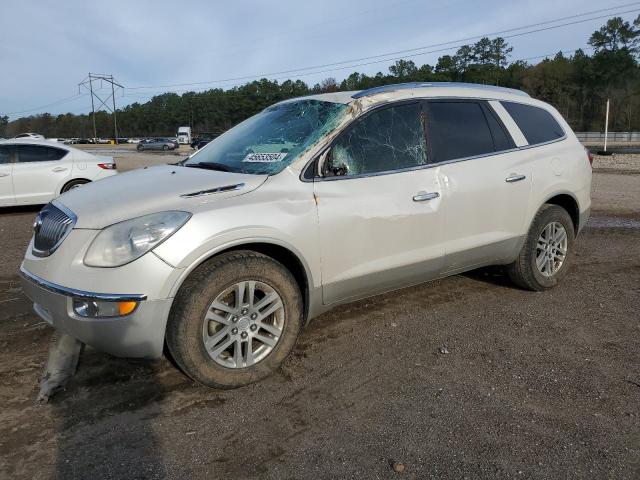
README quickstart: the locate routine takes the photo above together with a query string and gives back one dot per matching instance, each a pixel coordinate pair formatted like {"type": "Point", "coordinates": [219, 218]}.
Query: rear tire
{"type": "Point", "coordinates": [197, 331]}
{"type": "Point", "coordinates": [547, 252]}
{"type": "Point", "coordinates": [73, 184]}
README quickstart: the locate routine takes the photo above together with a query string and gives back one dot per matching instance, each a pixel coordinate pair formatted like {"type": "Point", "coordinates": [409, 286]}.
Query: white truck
{"type": "Point", "coordinates": [184, 135]}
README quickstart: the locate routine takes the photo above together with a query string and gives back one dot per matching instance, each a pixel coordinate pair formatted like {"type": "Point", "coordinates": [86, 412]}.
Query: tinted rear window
{"type": "Point", "coordinates": [457, 130]}
{"type": "Point", "coordinates": [537, 125]}
{"type": "Point", "coordinates": [37, 153]}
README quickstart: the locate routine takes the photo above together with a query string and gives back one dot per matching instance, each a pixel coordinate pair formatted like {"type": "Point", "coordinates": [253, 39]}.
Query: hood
{"type": "Point", "coordinates": [153, 189]}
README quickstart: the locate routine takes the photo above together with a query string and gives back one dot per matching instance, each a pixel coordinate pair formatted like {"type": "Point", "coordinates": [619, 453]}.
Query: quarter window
{"type": "Point", "coordinates": [537, 125]}
{"type": "Point", "coordinates": [37, 153]}
{"type": "Point", "coordinates": [385, 140]}
{"type": "Point", "coordinates": [457, 130]}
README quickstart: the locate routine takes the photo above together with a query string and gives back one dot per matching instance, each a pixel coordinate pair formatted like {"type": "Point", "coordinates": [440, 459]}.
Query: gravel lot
{"type": "Point", "coordinates": [534, 385]}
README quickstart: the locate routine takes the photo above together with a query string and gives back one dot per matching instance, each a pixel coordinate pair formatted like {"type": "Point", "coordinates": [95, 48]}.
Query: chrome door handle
{"type": "Point", "coordinates": [424, 196]}
{"type": "Point", "coordinates": [514, 178]}
{"type": "Point", "coordinates": [59, 169]}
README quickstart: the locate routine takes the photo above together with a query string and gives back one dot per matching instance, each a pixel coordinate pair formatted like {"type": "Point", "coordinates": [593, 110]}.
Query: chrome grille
{"type": "Point", "coordinates": [50, 228]}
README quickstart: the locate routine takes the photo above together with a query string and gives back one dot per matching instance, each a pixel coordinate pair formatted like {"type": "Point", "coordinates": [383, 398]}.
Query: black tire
{"type": "Point", "coordinates": [73, 184]}
{"type": "Point", "coordinates": [165, 147]}
{"type": "Point", "coordinates": [524, 271]}
{"type": "Point", "coordinates": [140, 148]}
{"type": "Point", "coordinates": [185, 325]}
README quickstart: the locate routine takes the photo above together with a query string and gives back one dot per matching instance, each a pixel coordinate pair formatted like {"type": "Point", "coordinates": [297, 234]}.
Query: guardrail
{"type": "Point", "coordinates": [611, 137]}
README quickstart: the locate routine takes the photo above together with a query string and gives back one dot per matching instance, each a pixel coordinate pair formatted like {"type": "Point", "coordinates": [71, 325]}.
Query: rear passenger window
{"type": "Point", "coordinates": [37, 153]}
{"type": "Point", "coordinates": [457, 130]}
{"type": "Point", "coordinates": [537, 125]}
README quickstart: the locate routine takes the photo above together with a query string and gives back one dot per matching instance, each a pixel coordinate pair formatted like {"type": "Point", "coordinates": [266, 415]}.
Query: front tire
{"type": "Point", "coordinates": [547, 251]}
{"type": "Point", "coordinates": [235, 319]}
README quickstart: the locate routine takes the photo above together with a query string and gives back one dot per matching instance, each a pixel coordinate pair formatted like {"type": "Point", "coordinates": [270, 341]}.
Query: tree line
{"type": "Point", "coordinates": [577, 84]}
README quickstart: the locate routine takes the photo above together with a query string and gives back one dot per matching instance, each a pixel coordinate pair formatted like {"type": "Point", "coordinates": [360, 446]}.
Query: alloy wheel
{"type": "Point", "coordinates": [551, 249]}
{"type": "Point", "coordinates": [243, 324]}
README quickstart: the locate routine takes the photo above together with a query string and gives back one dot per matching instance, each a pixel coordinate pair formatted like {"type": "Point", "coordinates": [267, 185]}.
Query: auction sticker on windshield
{"type": "Point", "coordinates": [265, 157]}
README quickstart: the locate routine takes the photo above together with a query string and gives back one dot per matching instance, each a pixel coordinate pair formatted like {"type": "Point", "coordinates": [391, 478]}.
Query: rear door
{"type": "Point", "coordinates": [39, 172]}
{"type": "Point", "coordinates": [487, 182]}
{"type": "Point", "coordinates": [6, 179]}
{"type": "Point", "coordinates": [379, 206]}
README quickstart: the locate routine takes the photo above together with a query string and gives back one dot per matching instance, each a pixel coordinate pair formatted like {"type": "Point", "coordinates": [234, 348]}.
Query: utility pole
{"type": "Point", "coordinates": [606, 126]}
{"type": "Point", "coordinates": [93, 110]}
{"type": "Point", "coordinates": [87, 83]}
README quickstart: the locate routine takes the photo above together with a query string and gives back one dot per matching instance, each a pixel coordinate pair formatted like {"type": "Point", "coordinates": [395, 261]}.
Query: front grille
{"type": "Point", "coordinates": [51, 227]}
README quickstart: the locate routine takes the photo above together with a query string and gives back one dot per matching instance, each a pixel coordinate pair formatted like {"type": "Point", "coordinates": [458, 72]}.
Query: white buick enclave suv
{"type": "Point", "coordinates": [311, 203]}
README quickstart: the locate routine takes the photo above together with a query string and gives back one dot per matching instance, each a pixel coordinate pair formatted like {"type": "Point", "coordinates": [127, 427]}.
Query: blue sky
{"type": "Point", "coordinates": [47, 48]}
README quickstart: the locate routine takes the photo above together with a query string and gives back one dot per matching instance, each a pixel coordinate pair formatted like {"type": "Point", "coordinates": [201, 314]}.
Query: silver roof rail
{"type": "Point", "coordinates": [404, 86]}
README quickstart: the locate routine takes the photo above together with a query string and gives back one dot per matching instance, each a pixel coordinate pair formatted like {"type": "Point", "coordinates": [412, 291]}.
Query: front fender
{"type": "Point", "coordinates": [220, 244]}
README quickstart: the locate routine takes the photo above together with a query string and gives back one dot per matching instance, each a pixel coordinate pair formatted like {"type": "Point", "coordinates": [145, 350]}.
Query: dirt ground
{"type": "Point", "coordinates": [535, 385]}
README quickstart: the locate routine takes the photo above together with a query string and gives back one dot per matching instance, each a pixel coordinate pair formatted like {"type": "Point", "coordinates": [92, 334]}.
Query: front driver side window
{"type": "Point", "coordinates": [385, 140]}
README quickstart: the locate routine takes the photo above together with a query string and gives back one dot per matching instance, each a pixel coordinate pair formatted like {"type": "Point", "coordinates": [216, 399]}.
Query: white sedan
{"type": "Point", "coordinates": [36, 171]}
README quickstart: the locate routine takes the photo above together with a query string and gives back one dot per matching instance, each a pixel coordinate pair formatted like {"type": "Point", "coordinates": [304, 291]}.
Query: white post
{"type": "Point", "coordinates": [606, 126]}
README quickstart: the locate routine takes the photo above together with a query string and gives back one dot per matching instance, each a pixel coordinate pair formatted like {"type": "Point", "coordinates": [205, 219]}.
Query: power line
{"type": "Point", "coordinates": [57, 102]}
{"type": "Point", "coordinates": [342, 65]}
{"type": "Point", "coordinates": [248, 77]}
{"type": "Point", "coordinates": [536, 57]}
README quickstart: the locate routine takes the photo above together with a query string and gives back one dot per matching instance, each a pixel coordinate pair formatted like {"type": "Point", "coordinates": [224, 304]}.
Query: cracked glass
{"type": "Point", "coordinates": [385, 140]}
{"type": "Point", "coordinates": [271, 140]}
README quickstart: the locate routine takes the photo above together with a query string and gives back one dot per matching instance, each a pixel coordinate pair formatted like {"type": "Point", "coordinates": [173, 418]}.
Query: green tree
{"type": "Point", "coordinates": [616, 34]}
{"type": "Point", "coordinates": [4, 121]}
{"type": "Point", "coordinates": [403, 69]}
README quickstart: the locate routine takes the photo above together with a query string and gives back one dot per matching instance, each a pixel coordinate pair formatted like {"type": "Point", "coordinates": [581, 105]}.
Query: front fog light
{"type": "Point", "coordinates": [100, 308]}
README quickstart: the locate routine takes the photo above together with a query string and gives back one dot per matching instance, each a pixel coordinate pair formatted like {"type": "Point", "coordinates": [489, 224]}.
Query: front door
{"type": "Point", "coordinates": [379, 206]}
{"type": "Point", "coordinates": [39, 172]}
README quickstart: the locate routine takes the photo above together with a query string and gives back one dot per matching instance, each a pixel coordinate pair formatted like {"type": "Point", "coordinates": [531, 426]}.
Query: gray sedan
{"type": "Point", "coordinates": [156, 144]}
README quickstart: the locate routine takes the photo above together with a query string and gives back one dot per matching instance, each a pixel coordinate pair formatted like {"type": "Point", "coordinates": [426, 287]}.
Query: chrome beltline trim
{"type": "Point", "coordinates": [72, 292]}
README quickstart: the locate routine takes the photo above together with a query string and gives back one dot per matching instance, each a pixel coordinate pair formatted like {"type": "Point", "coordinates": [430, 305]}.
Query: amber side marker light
{"type": "Point", "coordinates": [125, 308]}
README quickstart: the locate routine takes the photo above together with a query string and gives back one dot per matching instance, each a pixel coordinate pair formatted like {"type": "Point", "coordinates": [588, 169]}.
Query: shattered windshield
{"type": "Point", "coordinates": [271, 140]}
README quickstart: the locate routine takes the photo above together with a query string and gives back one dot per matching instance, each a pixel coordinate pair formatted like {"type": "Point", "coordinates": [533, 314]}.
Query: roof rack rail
{"type": "Point", "coordinates": [404, 86]}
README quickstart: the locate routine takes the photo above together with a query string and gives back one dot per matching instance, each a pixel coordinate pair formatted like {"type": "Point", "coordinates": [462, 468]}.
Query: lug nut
{"type": "Point", "coordinates": [243, 334]}
{"type": "Point", "coordinates": [244, 311]}
{"type": "Point", "coordinates": [234, 331]}
{"type": "Point", "coordinates": [253, 327]}
{"type": "Point", "coordinates": [234, 319]}
{"type": "Point", "coordinates": [254, 316]}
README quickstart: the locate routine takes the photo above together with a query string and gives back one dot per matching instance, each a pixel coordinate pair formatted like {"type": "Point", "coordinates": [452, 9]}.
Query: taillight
{"type": "Point", "coordinates": [107, 166]}
{"type": "Point", "coordinates": [589, 157]}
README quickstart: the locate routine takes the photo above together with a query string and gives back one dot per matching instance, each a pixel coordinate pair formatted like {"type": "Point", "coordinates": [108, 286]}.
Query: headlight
{"type": "Point", "coordinates": [123, 242]}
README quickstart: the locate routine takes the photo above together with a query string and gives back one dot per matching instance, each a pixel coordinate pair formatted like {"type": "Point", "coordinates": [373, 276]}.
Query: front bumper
{"type": "Point", "coordinates": [139, 334]}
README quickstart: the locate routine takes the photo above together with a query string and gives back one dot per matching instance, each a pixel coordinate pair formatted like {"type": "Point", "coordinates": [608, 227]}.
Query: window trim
{"type": "Point", "coordinates": [315, 159]}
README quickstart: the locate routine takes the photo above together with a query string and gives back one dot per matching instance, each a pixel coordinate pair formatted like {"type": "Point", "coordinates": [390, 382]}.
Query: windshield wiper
{"type": "Point", "coordinates": [210, 166]}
